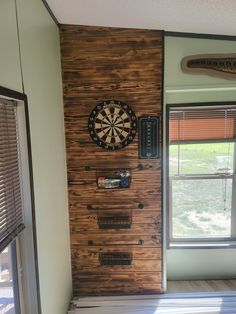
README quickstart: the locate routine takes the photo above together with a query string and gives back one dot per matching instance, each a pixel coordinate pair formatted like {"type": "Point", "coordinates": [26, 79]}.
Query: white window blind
{"type": "Point", "coordinates": [11, 215]}
{"type": "Point", "coordinates": [202, 124]}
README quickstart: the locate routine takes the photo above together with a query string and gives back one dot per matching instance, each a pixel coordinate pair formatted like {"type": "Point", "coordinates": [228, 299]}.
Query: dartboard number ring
{"type": "Point", "coordinates": [112, 124]}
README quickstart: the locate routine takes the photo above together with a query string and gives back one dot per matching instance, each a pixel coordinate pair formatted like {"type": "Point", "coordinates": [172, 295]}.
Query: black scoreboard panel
{"type": "Point", "coordinates": [149, 147]}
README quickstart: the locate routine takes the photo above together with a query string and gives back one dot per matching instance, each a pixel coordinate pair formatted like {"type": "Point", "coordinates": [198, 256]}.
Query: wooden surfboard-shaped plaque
{"type": "Point", "coordinates": [221, 65]}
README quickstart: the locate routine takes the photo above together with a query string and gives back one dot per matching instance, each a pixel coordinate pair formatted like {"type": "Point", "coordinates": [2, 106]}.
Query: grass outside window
{"type": "Point", "coordinates": [201, 181]}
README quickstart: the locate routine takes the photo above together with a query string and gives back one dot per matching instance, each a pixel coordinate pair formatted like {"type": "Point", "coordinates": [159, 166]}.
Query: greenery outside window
{"type": "Point", "coordinates": [201, 173]}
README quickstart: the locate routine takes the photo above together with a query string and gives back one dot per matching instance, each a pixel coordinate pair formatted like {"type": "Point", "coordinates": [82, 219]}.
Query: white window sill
{"type": "Point", "coordinates": [202, 245]}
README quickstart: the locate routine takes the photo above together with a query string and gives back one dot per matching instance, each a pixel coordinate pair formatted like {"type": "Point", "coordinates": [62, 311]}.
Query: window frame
{"type": "Point", "coordinates": [17, 286]}
{"type": "Point", "coordinates": [9, 260]}
{"type": "Point", "coordinates": [196, 243]}
{"type": "Point", "coordinates": [26, 242]}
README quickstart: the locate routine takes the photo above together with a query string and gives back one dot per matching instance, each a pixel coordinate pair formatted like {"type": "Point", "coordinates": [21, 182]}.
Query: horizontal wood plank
{"type": "Point", "coordinates": [136, 266]}
{"type": "Point", "coordinates": [122, 289]}
{"type": "Point", "coordinates": [139, 253]}
{"type": "Point", "coordinates": [139, 216]}
{"type": "Point", "coordinates": [117, 239]}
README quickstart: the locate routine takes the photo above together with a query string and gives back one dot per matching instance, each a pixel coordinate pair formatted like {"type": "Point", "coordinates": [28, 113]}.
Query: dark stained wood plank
{"type": "Point", "coordinates": [83, 203]}
{"type": "Point", "coordinates": [142, 223]}
{"type": "Point", "coordinates": [151, 240]}
{"type": "Point", "coordinates": [133, 164]}
{"type": "Point", "coordinates": [124, 282]}
{"type": "Point", "coordinates": [137, 265]}
{"type": "Point", "coordinates": [139, 253]}
{"type": "Point", "coordinates": [141, 229]}
{"type": "Point", "coordinates": [149, 173]}
{"type": "Point", "coordinates": [90, 217]}
{"type": "Point", "coordinates": [123, 289]}
{"type": "Point", "coordinates": [120, 196]}
{"type": "Point", "coordinates": [118, 278]}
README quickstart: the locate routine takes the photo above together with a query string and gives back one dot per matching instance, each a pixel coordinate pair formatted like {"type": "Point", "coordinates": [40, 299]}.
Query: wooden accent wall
{"type": "Point", "coordinates": [101, 63]}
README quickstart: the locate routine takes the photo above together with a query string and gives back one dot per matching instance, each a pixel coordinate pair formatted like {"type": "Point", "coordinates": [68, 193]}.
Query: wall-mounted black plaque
{"type": "Point", "coordinates": [149, 147]}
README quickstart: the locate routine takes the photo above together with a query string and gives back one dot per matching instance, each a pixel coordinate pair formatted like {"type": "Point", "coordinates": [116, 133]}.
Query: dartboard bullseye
{"type": "Point", "coordinates": [112, 124]}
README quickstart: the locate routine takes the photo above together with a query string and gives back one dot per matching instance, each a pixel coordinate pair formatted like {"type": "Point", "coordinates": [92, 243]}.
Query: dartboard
{"type": "Point", "coordinates": [112, 124]}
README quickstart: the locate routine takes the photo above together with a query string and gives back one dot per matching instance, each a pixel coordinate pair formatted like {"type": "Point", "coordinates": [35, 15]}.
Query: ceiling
{"type": "Point", "coordinates": [196, 16]}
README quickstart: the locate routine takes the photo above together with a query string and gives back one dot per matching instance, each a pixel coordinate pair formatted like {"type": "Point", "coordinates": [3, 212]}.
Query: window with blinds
{"type": "Point", "coordinates": [11, 213]}
{"type": "Point", "coordinates": [201, 149]}
{"type": "Point", "coordinates": [202, 124]}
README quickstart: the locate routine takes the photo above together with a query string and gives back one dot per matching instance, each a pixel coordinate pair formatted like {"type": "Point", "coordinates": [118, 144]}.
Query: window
{"type": "Point", "coordinates": [11, 206]}
{"type": "Point", "coordinates": [201, 173]}
{"type": "Point", "coordinates": [11, 218]}
{"type": "Point", "coordinates": [9, 285]}
{"type": "Point", "coordinates": [18, 254]}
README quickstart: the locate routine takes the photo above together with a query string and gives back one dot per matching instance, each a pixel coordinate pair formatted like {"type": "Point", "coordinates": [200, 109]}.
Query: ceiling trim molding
{"type": "Point", "coordinates": [50, 12]}
{"type": "Point", "coordinates": [200, 35]}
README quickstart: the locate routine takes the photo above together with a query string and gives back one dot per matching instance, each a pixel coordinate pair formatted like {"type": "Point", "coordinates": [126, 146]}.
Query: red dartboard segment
{"type": "Point", "coordinates": [112, 124]}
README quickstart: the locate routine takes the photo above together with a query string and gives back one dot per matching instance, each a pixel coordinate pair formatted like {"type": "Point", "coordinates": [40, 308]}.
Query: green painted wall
{"type": "Point", "coordinates": [183, 88]}
{"type": "Point", "coordinates": [176, 48]}
{"type": "Point", "coordinates": [9, 53]}
{"type": "Point", "coordinates": [40, 50]}
{"type": "Point", "coordinates": [201, 264]}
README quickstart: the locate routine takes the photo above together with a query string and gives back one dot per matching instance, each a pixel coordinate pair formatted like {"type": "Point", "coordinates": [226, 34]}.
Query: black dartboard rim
{"type": "Point", "coordinates": [120, 115]}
